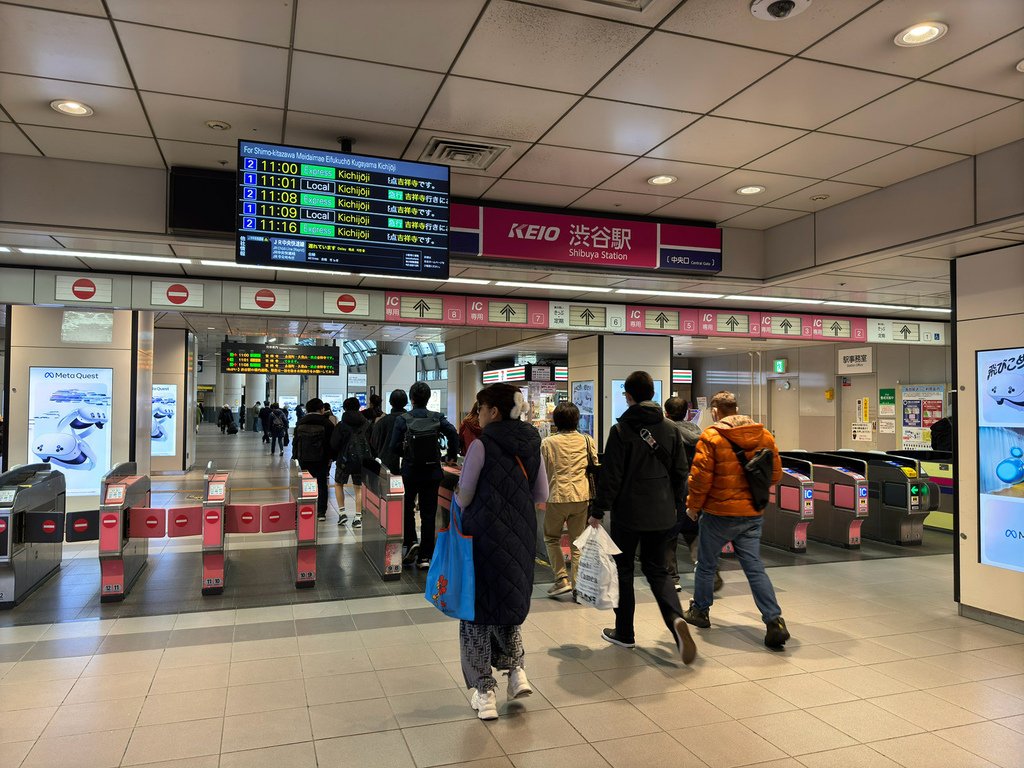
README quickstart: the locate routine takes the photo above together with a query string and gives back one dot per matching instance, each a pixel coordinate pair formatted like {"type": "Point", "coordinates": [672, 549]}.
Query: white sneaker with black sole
{"type": "Point", "coordinates": [409, 558]}
{"type": "Point", "coordinates": [485, 704]}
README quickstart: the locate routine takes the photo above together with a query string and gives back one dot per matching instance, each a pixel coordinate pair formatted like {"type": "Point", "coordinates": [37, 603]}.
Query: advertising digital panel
{"type": "Point", "coordinates": [1001, 457]}
{"type": "Point", "coordinates": [165, 420]}
{"type": "Point", "coordinates": [583, 398]}
{"type": "Point", "coordinates": [279, 359]}
{"type": "Point", "coordinates": [619, 404]}
{"type": "Point", "coordinates": [69, 423]}
{"type": "Point", "coordinates": [313, 208]}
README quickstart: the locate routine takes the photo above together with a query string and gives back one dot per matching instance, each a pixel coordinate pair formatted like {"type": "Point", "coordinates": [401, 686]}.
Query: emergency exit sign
{"type": "Point", "coordinates": [781, 365]}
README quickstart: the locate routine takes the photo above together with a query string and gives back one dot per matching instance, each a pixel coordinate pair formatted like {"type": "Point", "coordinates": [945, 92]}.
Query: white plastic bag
{"type": "Point", "coordinates": [597, 581]}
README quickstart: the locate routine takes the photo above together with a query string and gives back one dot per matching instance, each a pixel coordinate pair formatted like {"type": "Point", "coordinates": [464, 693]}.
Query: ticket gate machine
{"type": "Point", "coordinates": [304, 492]}
{"type": "Point", "coordinates": [899, 497]}
{"type": "Point", "coordinates": [216, 495]}
{"type": "Point", "coordinates": [840, 494]}
{"type": "Point", "coordinates": [790, 510]}
{"type": "Point", "coordinates": [31, 529]}
{"type": "Point", "coordinates": [122, 555]}
{"type": "Point", "coordinates": [383, 520]}
{"type": "Point", "coordinates": [939, 467]}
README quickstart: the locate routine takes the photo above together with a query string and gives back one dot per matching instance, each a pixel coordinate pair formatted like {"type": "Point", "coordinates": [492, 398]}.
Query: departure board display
{"type": "Point", "coordinates": [279, 359]}
{"type": "Point", "coordinates": [318, 209]}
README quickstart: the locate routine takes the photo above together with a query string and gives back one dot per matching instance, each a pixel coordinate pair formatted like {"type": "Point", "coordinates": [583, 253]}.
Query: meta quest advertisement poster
{"type": "Point", "coordinates": [1001, 457]}
{"type": "Point", "coordinates": [69, 423]}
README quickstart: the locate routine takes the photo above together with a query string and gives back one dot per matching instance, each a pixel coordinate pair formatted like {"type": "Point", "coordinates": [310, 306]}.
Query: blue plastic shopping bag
{"type": "Point", "coordinates": [451, 581]}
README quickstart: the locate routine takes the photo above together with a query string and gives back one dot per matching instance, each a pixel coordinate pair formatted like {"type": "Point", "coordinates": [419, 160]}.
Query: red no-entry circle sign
{"type": "Point", "coordinates": [265, 298]}
{"type": "Point", "coordinates": [152, 521]}
{"type": "Point", "coordinates": [346, 303]}
{"type": "Point", "coordinates": [247, 517]}
{"type": "Point", "coordinates": [306, 512]}
{"type": "Point", "coordinates": [3, 525]}
{"type": "Point", "coordinates": [177, 293]}
{"type": "Point", "coordinates": [49, 526]}
{"type": "Point", "coordinates": [83, 288]}
{"type": "Point", "coordinates": [80, 525]}
{"type": "Point", "coordinates": [181, 521]}
{"type": "Point", "coordinates": [109, 521]}
{"type": "Point", "coordinates": [274, 516]}
{"type": "Point", "coordinates": [212, 517]}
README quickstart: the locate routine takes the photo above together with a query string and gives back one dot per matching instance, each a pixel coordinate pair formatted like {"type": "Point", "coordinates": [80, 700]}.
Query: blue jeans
{"type": "Point", "coordinates": [745, 535]}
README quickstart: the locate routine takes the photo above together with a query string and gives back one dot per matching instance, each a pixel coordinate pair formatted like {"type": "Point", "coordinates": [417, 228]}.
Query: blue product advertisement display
{"type": "Point", "coordinates": [165, 419]}
{"type": "Point", "coordinates": [583, 398]}
{"type": "Point", "coordinates": [69, 423]}
{"type": "Point", "coordinates": [619, 405]}
{"type": "Point", "coordinates": [1001, 457]}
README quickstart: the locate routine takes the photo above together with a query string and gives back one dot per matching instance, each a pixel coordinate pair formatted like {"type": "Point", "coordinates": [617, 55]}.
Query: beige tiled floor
{"type": "Point", "coordinates": [881, 672]}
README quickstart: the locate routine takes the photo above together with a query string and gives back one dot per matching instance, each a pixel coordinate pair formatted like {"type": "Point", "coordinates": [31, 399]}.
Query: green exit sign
{"type": "Point", "coordinates": [781, 365]}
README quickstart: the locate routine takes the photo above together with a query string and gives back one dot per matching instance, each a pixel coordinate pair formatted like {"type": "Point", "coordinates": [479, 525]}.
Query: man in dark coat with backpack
{"type": "Point", "coordinates": [417, 438]}
{"type": "Point", "coordinates": [312, 449]}
{"type": "Point", "coordinates": [350, 444]}
{"type": "Point", "coordinates": [380, 435]}
{"type": "Point", "coordinates": [641, 483]}
{"type": "Point", "coordinates": [735, 465]}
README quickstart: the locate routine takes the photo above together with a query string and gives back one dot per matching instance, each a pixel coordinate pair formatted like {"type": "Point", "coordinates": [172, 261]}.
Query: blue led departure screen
{"type": "Point", "coordinates": [317, 209]}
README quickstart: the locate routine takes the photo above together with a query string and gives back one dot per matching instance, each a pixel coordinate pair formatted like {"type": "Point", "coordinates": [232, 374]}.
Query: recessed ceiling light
{"type": "Point", "coordinates": [1020, 65]}
{"type": "Point", "coordinates": [772, 299]}
{"type": "Point", "coordinates": [553, 287]}
{"type": "Point", "coordinates": [210, 328]}
{"type": "Point", "coordinates": [662, 179]}
{"type": "Point", "coordinates": [753, 189]}
{"type": "Point", "coordinates": [676, 294]}
{"type": "Point", "coordinates": [70, 107]}
{"type": "Point", "coordinates": [720, 347]}
{"type": "Point", "coordinates": [921, 34]}
{"type": "Point", "coordinates": [217, 125]}
{"type": "Point", "coordinates": [97, 255]}
{"type": "Point", "coordinates": [819, 197]}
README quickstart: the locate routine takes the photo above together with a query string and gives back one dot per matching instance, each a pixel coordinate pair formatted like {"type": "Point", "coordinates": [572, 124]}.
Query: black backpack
{"type": "Point", "coordinates": [358, 451]}
{"type": "Point", "coordinates": [380, 436]}
{"type": "Point", "coordinates": [309, 443]}
{"type": "Point", "coordinates": [758, 471]}
{"type": "Point", "coordinates": [278, 423]}
{"type": "Point", "coordinates": [422, 444]}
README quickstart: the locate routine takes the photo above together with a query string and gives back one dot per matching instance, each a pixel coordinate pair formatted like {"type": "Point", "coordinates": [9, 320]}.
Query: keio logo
{"type": "Point", "coordinates": [534, 232]}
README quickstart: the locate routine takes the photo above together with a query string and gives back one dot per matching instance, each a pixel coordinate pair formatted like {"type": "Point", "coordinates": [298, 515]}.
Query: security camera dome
{"type": "Point", "coordinates": [777, 10]}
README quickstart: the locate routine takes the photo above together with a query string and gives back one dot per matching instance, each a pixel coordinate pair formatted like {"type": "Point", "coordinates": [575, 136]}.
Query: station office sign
{"type": "Point", "coordinates": [856, 360]}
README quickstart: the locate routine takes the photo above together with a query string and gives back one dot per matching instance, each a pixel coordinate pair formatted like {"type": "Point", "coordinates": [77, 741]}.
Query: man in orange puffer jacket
{"type": "Point", "coordinates": [718, 487]}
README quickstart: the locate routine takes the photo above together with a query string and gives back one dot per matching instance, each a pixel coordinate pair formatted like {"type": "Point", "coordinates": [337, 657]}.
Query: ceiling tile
{"type": "Point", "coordinates": [464, 185]}
{"type": "Point", "coordinates": [88, 7]}
{"type": "Point", "coordinates": [840, 282]}
{"type": "Point", "coordinates": [898, 166]}
{"type": "Point", "coordinates": [652, 73]}
{"type": "Point", "coordinates": [651, 15]}
{"type": "Point", "coordinates": [690, 176]}
{"type": "Point", "coordinates": [257, 21]}
{"type": "Point", "coordinates": [114, 246]}
{"type": "Point", "coordinates": [14, 142]}
{"type": "Point", "coordinates": [184, 119]}
{"type": "Point", "coordinates": [904, 266]}
{"type": "Point", "coordinates": [333, 86]}
{"type": "Point", "coordinates": [28, 241]}
{"type": "Point", "coordinates": [542, 48]}
{"type": "Point", "coordinates": [718, 141]}
{"type": "Point", "coordinates": [205, 67]}
{"type": "Point", "coordinates": [992, 69]}
{"type": "Point", "coordinates": [958, 248]}
{"type": "Point", "coordinates": [217, 156]}
{"type": "Point", "coordinates": [201, 252]}
{"type": "Point", "coordinates": [612, 126]}
{"type": "Point", "coordinates": [575, 167]}
{"type": "Point", "coordinates": [776, 185]}
{"type": "Point", "coordinates": [322, 132]}
{"type": "Point", "coordinates": [762, 218]}
{"type": "Point", "coordinates": [60, 45]}
{"type": "Point", "coordinates": [702, 210]}
{"type": "Point", "coordinates": [502, 162]}
{"type": "Point", "coordinates": [537, 194]}
{"type": "Point", "coordinates": [620, 202]}
{"type": "Point", "coordinates": [822, 155]}
{"type": "Point", "coordinates": [916, 112]}
{"type": "Point", "coordinates": [117, 110]}
{"type": "Point", "coordinates": [983, 134]}
{"type": "Point", "coordinates": [495, 109]}
{"type": "Point", "coordinates": [808, 94]}
{"type": "Point", "coordinates": [837, 192]}
{"type": "Point", "coordinates": [869, 37]}
{"type": "Point", "coordinates": [96, 147]}
{"type": "Point", "coordinates": [730, 21]}
{"type": "Point", "coordinates": [425, 35]}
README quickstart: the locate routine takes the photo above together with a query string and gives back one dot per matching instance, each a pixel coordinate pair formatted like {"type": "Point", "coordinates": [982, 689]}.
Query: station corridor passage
{"type": "Point", "coordinates": [880, 672]}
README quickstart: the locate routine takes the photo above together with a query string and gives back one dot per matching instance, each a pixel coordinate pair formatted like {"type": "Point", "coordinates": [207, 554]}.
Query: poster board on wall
{"type": "Point", "coordinates": [69, 423]}
{"type": "Point", "coordinates": [1000, 378]}
{"type": "Point", "coordinates": [923, 405]}
{"type": "Point", "coordinates": [165, 420]}
{"type": "Point", "coordinates": [582, 395]}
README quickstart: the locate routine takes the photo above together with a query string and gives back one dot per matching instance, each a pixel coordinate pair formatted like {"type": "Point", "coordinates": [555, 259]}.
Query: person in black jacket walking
{"type": "Point", "coordinates": [641, 482]}
{"type": "Point", "coordinates": [349, 458]}
{"type": "Point", "coordinates": [380, 435]}
{"type": "Point", "coordinates": [502, 480]}
{"type": "Point", "coordinates": [313, 450]}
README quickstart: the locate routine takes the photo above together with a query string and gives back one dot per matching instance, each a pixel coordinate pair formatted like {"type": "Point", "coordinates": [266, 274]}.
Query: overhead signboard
{"type": "Point", "coordinates": [279, 359]}
{"type": "Point", "coordinates": [166, 293]}
{"type": "Point", "coordinates": [584, 317]}
{"type": "Point", "coordinates": [319, 209]}
{"type": "Point", "coordinates": [855, 361]}
{"type": "Point", "coordinates": [499, 312]}
{"type": "Point", "coordinates": [786, 326]}
{"type": "Point", "coordinates": [347, 303]}
{"type": "Point", "coordinates": [82, 288]}
{"type": "Point", "coordinates": [429, 308]}
{"type": "Point", "coordinates": [905, 332]}
{"type": "Point", "coordinates": [265, 299]}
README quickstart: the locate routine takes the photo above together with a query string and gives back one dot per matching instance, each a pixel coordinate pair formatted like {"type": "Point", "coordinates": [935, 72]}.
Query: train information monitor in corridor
{"type": "Point", "coordinates": [317, 209]}
{"type": "Point", "coordinates": [279, 359]}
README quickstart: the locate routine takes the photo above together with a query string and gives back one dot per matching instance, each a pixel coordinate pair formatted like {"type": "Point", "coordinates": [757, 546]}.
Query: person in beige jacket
{"type": "Point", "coordinates": [569, 457]}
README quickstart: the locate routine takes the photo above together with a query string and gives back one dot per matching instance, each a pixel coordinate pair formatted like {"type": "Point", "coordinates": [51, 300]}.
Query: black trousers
{"type": "Point", "coordinates": [320, 471]}
{"type": "Point", "coordinates": [652, 564]}
{"type": "Point", "coordinates": [424, 487]}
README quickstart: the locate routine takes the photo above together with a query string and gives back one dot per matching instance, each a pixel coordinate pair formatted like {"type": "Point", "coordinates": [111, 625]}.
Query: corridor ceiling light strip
{"type": "Point", "coordinates": [864, 305]}
{"type": "Point", "coordinates": [4, 249]}
{"type": "Point", "coordinates": [677, 294]}
{"type": "Point", "coordinates": [234, 265]}
{"type": "Point", "coordinates": [932, 309]}
{"type": "Point", "coordinates": [773, 299]}
{"type": "Point", "coordinates": [96, 255]}
{"type": "Point", "coordinates": [554, 287]}
{"type": "Point", "coordinates": [468, 281]}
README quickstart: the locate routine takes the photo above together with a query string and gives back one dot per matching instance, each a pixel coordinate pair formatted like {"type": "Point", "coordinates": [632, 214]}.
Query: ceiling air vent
{"type": "Point", "coordinates": [628, 5]}
{"type": "Point", "coordinates": [461, 154]}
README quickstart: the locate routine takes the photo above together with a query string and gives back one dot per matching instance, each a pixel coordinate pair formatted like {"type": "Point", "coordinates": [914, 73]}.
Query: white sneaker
{"type": "Point", "coordinates": [485, 704]}
{"type": "Point", "coordinates": [518, 685]}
